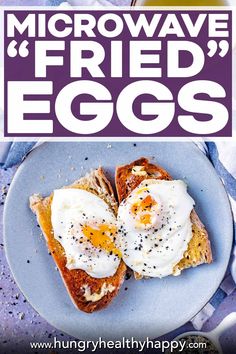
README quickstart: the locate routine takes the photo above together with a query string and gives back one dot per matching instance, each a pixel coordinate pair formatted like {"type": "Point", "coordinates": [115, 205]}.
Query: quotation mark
{"type": "Point", "coordinates": [222, 46]}
{"type": "Point", "coordinates": [14, 49]}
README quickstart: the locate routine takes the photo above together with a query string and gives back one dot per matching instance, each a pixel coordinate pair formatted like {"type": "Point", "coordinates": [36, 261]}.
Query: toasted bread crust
{"type": "Point", "coordinates": [199, 248]}
{"type": "Point", "coordinates": [126, 181]}
{"type": "Point", "coordinates": [75, 280]}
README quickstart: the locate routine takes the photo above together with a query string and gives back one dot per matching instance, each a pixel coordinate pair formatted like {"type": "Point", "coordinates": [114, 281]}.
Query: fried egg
{"type": "Point", "coordinates": [86, 228]}
{"type": "Point", "coordinates": [154, 226]}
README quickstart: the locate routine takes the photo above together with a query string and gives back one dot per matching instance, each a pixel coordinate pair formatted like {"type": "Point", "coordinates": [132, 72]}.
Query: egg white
{"type": "Point", "coordinates": [153, 249]}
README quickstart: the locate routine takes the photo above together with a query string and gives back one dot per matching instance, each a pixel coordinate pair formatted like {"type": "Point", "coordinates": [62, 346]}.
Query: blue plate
{"type": "Point", "coordinates": [148, 307]}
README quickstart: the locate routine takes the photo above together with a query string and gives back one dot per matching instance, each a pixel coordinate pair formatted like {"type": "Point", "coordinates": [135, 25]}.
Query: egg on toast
{"type": "Point", "coordinates": [159, 231]}
{"type": "Point", "coordinates": [79, 226]}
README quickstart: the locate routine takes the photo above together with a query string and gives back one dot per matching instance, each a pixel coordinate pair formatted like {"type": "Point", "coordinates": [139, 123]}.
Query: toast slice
{"type": "Point", "coordinates": [128, 177]}
{"type": "Point", "coordinates": [100, 291]}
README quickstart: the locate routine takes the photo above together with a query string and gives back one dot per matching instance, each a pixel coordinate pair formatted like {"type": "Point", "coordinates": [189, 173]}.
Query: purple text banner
{"type": "Point", "coordinates": [118, 73]}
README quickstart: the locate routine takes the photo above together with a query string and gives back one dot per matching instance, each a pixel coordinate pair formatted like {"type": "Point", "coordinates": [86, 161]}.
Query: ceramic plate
{"type": "Point", "coordinates": [148, 307]}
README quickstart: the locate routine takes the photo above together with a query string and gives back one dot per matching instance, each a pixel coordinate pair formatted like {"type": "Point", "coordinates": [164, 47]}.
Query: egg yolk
{"type": "Point", "coordinates": [141, 190]}
{"type": "Point", "coordinates": [144, 207]}
{"type": "Point", "coordinates": [145, 219]}
{"type": "Point", "coordinates": [100, 237]}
